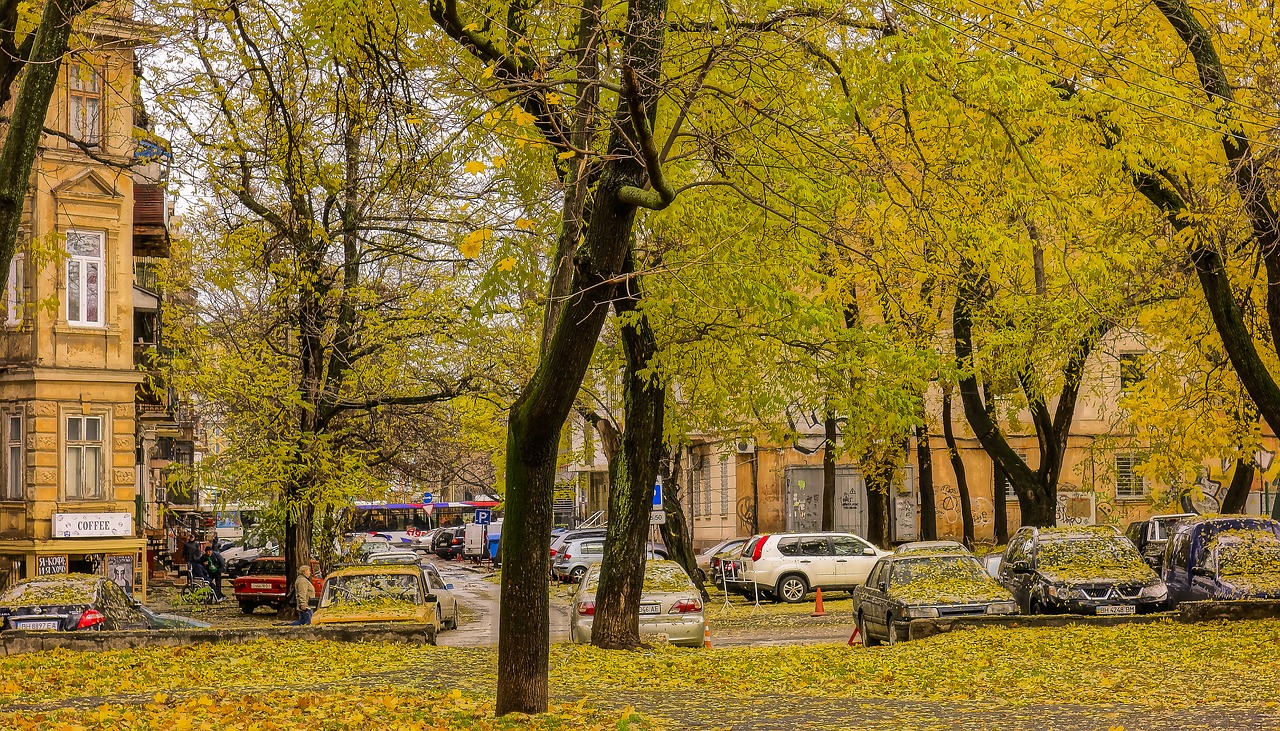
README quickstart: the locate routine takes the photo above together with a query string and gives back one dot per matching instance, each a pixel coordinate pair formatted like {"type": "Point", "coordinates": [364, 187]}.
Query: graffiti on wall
{"type": "Point", "coordinates": [951, 517]}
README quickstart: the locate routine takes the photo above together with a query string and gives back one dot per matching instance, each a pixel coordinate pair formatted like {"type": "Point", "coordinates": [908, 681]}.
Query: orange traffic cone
{"type": "Point", "coordinates": [706, 636]}
{"type": "Point", "coordinates": [856, 637]}
{"type": "Point", "coordinates": [818, 611]}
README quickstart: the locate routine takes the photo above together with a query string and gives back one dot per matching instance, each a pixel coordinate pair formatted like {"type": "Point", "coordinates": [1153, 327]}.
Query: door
{"type": "Point", "coordinates": [853, 565]}
{"type": "Point", "coordinates": [814, 555]}
{"type": "Point", "coordinates": [803, 500]}
{"type": "Point", "coordinates": [1177, 575]}
{"type": "Point", "coordinates": [876, 603]}
{"type": "Point", "coordinates": [1018, 551]}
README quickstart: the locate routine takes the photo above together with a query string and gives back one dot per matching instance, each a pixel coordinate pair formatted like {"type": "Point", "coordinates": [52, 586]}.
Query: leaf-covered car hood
{"type": "Point", "coordinates": [382, 609]}
{"type": "Point", "coordinates": [950, 591]}
{"type": "Point", "coordinates": [1243, 586]}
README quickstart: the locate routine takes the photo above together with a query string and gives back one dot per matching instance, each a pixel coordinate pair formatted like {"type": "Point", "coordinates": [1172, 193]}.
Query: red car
{"type": "Point", "coordinates": [264, 584]}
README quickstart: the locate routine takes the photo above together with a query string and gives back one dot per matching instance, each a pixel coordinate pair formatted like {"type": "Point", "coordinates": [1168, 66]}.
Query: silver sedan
{"type": "Point", "coordinates": [670, 605]}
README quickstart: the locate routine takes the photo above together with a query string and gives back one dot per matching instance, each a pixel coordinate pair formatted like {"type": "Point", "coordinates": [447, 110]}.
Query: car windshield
{"type": "Point", "coordinates": [49, 591]}
{"type": "Point", "coordinates": [942, 579]}
{"type": "Point", "coordinates": [372, 590]}
{"type": "Point", "coordinates": [1083, 556]}
{"type": "Point", "coordinates": [266, 568]}
{"type": "Point", "coordinates": [1246, 553]}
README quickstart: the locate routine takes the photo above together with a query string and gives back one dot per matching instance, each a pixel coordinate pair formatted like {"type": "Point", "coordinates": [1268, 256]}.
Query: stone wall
{"type": "Point", "coordinates": [18, 642]}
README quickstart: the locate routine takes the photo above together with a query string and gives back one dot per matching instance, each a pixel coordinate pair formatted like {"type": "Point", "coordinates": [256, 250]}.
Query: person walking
{"type": "Point", "coordinates": [303, 592]}
{"type": "Point", "coordinates": [215, 566]}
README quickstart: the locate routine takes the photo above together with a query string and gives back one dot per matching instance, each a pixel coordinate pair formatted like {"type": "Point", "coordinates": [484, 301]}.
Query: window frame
{"type": "Point", "coordinates": [83, 444]}
{"type": "Point", "coordinates": [15, 469]}
{"type": "Point", "coordinates": [1135, 460]}
{"type": "Point", "coordinates": [724, 485]}
{"type": "Point", "coordinates": [83, 262]}
{"type": "Point", "coordinates": [77, 121]}
{"type": "Point", "coordinates": [16, 290]}
{"type": "Point", "coordinates": [1130, 362]}
{"type": "Point", "coordinates": [1009, 495]}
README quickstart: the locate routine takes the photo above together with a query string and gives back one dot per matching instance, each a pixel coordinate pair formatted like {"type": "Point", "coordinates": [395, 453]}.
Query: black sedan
{"type": "Point", "coordinates": [903, 587]}
{"type": "Point", "coordinates": [69, 602]}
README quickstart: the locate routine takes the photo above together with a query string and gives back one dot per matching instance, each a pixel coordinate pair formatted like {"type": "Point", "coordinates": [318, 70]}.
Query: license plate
{"type": "Point", "coordinates": [1117, 609]}
{"type": "Point", "coordinates": [46, 624]}
{"type": "Point", "coordinates": [650, 609]}
{"type": "Point", "coordinates": [259, 586]}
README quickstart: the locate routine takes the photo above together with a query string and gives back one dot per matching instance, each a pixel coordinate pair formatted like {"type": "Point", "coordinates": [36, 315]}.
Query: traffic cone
{"type": "Point", "coordinates": [706, 636]}
{"type": "Point", "coordinates": [856, 637]}
{"type": "Point", "coordinates": [818, 611]}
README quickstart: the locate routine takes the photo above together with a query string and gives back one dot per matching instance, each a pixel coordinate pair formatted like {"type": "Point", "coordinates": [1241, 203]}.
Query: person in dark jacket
{"type": "Point", "coordinates": [191, 554]}
{"type": "Point", "coordinates": [215, 566]}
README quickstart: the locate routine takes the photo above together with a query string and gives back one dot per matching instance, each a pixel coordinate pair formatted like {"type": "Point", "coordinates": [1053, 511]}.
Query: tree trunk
{"type": "Point", "coordinates": [928, 506]}
{"type": "Point", "coordinates": [675, 531]}
{"type": "Point", "coordinates": [957, 466]}
{"type": "Point", "coordinates": [878, 477]}
{"type": "Point", "coordinates": [1241, 483]}
{"type": "Point", "coordinates": [1000, 507]}
{"type": "Point", "coordinates": [617, 619]}
{"type": "Point", "coordinates": [829, 473]}
{"type": "Point", "coordinates": [26, 126]}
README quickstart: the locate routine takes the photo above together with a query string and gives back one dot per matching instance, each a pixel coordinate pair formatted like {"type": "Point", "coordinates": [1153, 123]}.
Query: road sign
{"type": "Point", "coordinates": [657, 494]}
{"type": "Point", "coordinates": [483, 516]}
{"type": "Point", "coordinates": [657, 517]}
{"type": "Point", "coordinates": [428, 498]}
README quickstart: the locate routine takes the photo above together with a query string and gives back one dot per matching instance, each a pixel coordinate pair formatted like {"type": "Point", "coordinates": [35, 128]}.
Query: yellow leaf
{"type": "Point", "coordinates": [488, 72]}
{"type": "Point", "coordinates": [498, 161]}
{"type": "Point", "coordinates": [473, 167]}
{"type": "Point", "coordinates": [471, 244]}
{"type": "Point", "coordinates": [524, 223]}
{"type": "Point", "coordinates": [553, 98]}
{"type": "Point", "coordinates": [565, 155]}
{"type": "Point", "coordinates": [455, 694]}
{"type": "Point", "coordinates": [520, 116]}
{"type": "Point", "coordinates": [471, 26]}
{"type": "Point", "coordinates": [507, 264]}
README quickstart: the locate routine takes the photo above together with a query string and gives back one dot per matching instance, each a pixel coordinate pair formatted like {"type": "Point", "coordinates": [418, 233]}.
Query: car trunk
{"type": "Point", "coordinates": [50, 617]}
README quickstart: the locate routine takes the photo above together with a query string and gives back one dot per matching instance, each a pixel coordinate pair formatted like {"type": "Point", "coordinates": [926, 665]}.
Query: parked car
{"type": "Point", "coordinates": [448, 542]}
{"type": "Point", "coordinates": [376, 594]}
{"type": "Point", "coordinates": [1079, 570]}
{"type": "Point", "coordinates": [446, 602]}
{"type": "Point", "coordinates": [580, 554]}
{"type": "Point", "coordinates": [559, 540]}
{"type": "Point", "coordinates": [1150, 536]}
{"type": "Point", "coordinates": [264, 584]}
{"type": "Point", "coordinates": [237, 558]}
{"type": "Point", "coordinates": [374, 552]}
{"type": "Point", "coordinates": [709, 560]}
{"type": "Point", "coordinates": [787, 566]}
{"type": "Point", "coordinates": [924, 584]}
{"type": "Point", "coordinates": [670, 605]}
{"type": "Point", "coordinates": [932, 547]}
{"type": "Point", "coordinates": [424, 542]}
{"type": "Point", "coordinates": [70, 602]}
{"type": "Point", "coordinates": [1223, 557]}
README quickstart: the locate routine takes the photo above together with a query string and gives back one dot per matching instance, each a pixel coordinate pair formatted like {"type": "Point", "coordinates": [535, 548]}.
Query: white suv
{"type": "Point", "coordinates": [788, 565]}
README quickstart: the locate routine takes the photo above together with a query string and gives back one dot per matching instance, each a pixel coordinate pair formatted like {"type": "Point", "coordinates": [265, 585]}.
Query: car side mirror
{"type": "Point", "coordinates": [1020, 567]}
{"type": "Point", "coordinates": [884, 587]}
{"type": "Point", "coordinates": [448, 586]}
{"type": "Point", "coordinates": [868, 552]}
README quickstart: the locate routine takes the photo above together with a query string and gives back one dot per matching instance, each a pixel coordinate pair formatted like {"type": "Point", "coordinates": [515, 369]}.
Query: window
{"type": "Point", "coordinates": [591, 548]}
{"type": "Point", "coordinates": [814, 546]}
{"type": "Point", "coordinates": [789, 546]}
{"type": "Point", "coordinates": [848, 546]}
{"type": "Point", "coordinates": [14, 482]}
{"type": "Point", "coordinates": [84, 107]}
{"type": "Point", "coordinates": [706, 487]}
{"type": "Point", "coordinates": [15, 292]}
{"type": "Point", "coordinates": [1129, 484]}
{"type": "Point", "coordinates": [84, 457]}
{"type": "Point", "coordinates": [724, 485]}
{"type": "Point", "coordinates": [1010, 496]}
{"type": "Point", "coordinates": [1131, 373]}
{"type": "Point", "coordinates": [877, 573]}
{"type": "Point", "coordinates": [84, 277]}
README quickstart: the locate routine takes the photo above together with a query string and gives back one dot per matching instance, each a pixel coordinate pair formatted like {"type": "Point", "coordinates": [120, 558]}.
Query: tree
{"type": "Point", "coordinates": [30, 59]}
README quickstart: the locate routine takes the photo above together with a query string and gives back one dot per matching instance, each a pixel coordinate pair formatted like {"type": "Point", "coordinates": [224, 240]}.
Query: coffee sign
{"type": "Point", "coordinates": [92, 525]}
{"type": "Point", "coordinates": [49, 565]}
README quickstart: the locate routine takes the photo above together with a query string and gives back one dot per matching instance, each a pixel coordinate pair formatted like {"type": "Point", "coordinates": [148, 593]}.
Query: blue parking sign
{"type": "Point", "coordinates": [483, 516]}
{"type": "Point", "coordinates": [657, 493]}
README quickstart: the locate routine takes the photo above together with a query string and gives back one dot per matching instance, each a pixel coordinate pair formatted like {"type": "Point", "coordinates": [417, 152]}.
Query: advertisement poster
{"type": "Point", "coordinates": [120, 571]}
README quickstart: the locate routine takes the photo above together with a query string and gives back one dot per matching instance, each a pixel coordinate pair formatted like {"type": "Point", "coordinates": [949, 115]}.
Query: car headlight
{"type": "Point", "coordinates": [1155, 591]}
{"type": "Point", "coordinates": [1002, 608]}
{"type": "Point", "coordinates": [921, 613]}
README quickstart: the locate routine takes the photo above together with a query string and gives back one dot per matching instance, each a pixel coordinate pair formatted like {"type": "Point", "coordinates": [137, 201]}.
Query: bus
{"type": "Point", "coordinates": [396, 522]}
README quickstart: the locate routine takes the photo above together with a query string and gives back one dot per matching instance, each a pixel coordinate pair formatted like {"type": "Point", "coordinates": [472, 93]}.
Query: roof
{"type": "Point", "coordinates": [54, 590]}
{"type": "Point", "coordinates": [376, 570]}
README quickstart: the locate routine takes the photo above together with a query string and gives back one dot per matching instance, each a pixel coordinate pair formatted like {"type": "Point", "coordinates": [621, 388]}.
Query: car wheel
{"type": "Point", "coordinates": [439, 617]}
{"type": "Point", "coordinates": [453, 620]}
{"type": "Point", "coordinates": [248, 607]}
{"type": "Point", "coordinates": [867, 639]}
{"type": "Point", "coordinates": [792, 588]}
{"type": "Point", "coordinates": [575, 576]}
{"type": "Point", "coordinates": [892, 633]}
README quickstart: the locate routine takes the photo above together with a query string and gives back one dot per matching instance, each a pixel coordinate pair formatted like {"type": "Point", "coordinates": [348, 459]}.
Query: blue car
{"type": "Point", "coordinates": [1223, 557]}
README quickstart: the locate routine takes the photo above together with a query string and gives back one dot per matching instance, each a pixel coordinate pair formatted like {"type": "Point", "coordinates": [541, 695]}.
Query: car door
{"type": "Point", "coordinates": [875, 603]}
{"type": "Point", "coordinates": [813, 554]}
{"type": "Point", "coordinates": [448, 602]}
{"type": "Point", "coordinates": [1176, 574]}
{"type": "Point", "coordinates": [1017, 552]}
{"type": "Point", "coordinates": [854, 559]}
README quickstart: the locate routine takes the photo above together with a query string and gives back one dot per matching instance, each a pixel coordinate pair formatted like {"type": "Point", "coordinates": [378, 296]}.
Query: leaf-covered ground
{"type": "Point", "coordinates": [1133, 677]}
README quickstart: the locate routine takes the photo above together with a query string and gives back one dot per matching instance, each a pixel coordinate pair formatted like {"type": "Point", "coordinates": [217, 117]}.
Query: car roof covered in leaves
{"type": "Point", "coordinates": [382, 569]}
{"type": "Point", "coordinates": [54, 590]}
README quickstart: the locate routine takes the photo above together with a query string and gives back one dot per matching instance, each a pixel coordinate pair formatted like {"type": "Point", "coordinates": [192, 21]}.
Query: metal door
{"type": "Point", "coordinates": [803, 506]}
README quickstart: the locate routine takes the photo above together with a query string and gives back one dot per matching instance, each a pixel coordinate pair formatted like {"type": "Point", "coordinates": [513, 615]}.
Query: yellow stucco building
{"type": "Point", "coordinates": [72, 498]}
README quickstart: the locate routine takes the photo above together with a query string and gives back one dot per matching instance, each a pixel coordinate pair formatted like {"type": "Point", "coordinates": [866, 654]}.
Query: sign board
{"type": "Point", "coordinates": [657, 494]}
{"type": "Point", "coordinates": [428, 497]}
{"type": "Point", "coordinates": [92, 525]}
{"type": "Point", "coordinates": [49, 565]}
{"type": "Point", "coordinates": [563, 494]}
{"type": "Point", "coordinates": [483, 516]}
{"type": "Point", "coordinates": [657, 517]}
{"type": "Point", "coordinates": [120, 571]}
